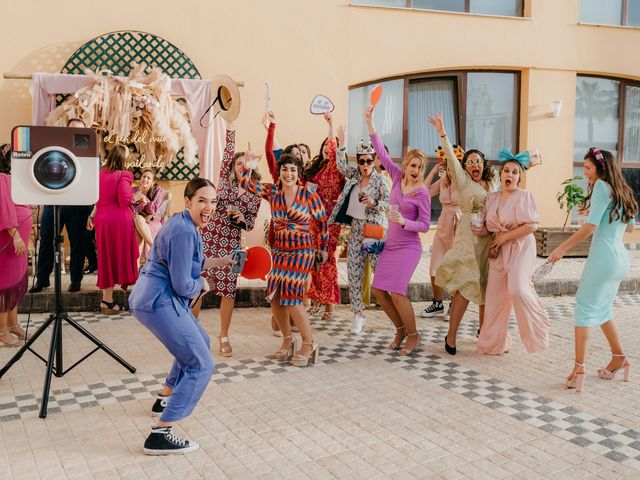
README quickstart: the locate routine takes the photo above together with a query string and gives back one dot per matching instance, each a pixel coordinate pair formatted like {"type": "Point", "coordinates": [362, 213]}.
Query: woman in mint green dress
{"type": "Point", "coordinates": [612, 207]}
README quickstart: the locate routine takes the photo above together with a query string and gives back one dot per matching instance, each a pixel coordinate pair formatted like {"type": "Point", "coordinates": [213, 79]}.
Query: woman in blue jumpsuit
{"type": "Point", "coordinates": [612, 207]}
{"type": "Point", "coordinates": [170, 278]}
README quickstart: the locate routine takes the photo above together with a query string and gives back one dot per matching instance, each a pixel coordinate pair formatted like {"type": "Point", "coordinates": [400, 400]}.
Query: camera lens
{"type": "Point", "coordinates": [54, 170]}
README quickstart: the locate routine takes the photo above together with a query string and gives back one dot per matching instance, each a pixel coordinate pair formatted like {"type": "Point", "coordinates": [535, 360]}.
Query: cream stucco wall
{"type": "Point", "coordinates": [304, 47]}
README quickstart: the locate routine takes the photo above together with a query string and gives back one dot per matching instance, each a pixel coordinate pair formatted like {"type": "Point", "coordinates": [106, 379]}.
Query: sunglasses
{"type": "Point", "coordinates": [365, 162]}
{"type": "Point", "coordinates": [474, 162]}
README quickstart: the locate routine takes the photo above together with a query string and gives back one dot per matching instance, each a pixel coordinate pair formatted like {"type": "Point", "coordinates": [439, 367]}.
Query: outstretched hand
{"type": "Point", "coordinates": [328, 118]}
{"type": "Point", "coordinates": [438, 123]}
{"type": "Point", "coordinates": [342, 135]}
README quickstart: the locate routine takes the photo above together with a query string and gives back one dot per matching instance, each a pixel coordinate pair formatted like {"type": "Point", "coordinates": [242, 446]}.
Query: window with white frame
{"type": "Point", "coordinates": [608, 118]}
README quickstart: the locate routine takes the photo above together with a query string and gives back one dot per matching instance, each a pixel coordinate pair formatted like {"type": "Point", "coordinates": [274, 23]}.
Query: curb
{"type": "Point", "coordinates": [255, 296]}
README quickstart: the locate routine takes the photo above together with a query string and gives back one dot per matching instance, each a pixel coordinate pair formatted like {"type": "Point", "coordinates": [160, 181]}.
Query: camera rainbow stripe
{"type": "Point", "coordinates": [21, 139]}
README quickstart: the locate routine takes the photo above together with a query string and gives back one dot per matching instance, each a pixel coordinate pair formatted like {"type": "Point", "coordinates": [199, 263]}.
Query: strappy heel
{"type": "Point", "coordinates": [410, 352]}
{"type": "Point", "coordinates": [284, 354]}
{"type": "Point", "coordinates": [605, 374]}
{"type": "Point", "coordinates": [314, 309]}
{"type": "Point", "coordinates": [225, 346]}
{"type": "Point", "coordinates": [303, 360]}
{"type": "Point", "coordinates": [109, 308]}
{"type": "Point", "coordinates": [577, 379]}
{"type": "Point", "coordinates": [395, 345]}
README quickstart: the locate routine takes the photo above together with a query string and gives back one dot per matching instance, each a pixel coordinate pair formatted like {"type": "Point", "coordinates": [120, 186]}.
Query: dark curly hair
{"type": "Point", "coordinates": [487, 171]}
{"type": "Point", "coordinates": [288, 159]}
{"type": "Point", "coordinates": [5, 158]}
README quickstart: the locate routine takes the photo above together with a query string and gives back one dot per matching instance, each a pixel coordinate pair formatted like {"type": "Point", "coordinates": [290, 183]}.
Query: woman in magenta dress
{"type": "Point", "coordinates": [15, 227]}
{"type": "Point", "coordinates": [115, 232]}
{"type": "Point", "coordinates": [402, 249]}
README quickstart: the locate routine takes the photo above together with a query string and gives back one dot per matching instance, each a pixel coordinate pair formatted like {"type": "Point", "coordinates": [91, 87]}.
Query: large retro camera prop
{"type": "Point", "coordinates": [54, 166]}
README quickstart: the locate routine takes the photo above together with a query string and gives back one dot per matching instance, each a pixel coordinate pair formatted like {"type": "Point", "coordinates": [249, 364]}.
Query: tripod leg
{"type": "Point", "coordinates": [98, 343]}
{"type": "Point", "coordinates": [27, 345]}
{"type": "Point", "coordinates": [57, 327]}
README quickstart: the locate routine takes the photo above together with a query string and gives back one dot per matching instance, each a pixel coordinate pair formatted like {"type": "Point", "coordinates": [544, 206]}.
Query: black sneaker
{"type": "Point", "coordinates": [436, 308]}
{"type": "Point", "coordinates": [74, 287]}
{"type": "Point", "coordinates": [160, 405]}
{"type": "Point", "coordinates": [162, 442]}
{"type": "Point", "coordinates": [38, 287]}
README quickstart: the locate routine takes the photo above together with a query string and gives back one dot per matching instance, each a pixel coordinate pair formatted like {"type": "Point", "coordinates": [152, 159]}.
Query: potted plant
{"type": "Point", "coordinates": [570, 196]}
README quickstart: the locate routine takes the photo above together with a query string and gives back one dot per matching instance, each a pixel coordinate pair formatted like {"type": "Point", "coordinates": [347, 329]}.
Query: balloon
{"type": "Point", "coordinates": [258, 263]}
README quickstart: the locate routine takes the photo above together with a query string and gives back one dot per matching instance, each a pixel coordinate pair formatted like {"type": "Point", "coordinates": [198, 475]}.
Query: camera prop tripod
{"type": "Point", "coordinates": [54, 360]}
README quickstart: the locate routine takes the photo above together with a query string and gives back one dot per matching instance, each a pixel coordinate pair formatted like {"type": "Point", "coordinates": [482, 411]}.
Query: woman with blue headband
{"type": "Point", "coordinates": [511, 216]}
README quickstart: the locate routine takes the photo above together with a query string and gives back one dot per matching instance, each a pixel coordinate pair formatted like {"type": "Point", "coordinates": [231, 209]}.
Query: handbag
{"type": "Point", "coordinates": [371, 230]}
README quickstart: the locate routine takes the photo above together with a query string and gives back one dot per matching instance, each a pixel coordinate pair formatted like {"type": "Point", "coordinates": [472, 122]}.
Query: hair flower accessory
{"type": "Point", "coordinates": [523, 158]}
{"type": "Point", "coordinates": [597, 154]}
{"type": "Point", "coordinates": [457, 150]}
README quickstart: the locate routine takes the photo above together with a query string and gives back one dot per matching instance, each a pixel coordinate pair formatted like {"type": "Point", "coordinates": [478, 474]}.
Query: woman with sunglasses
{"type": "Point", "coordinates": [612, 208]}
{"type": "Point", "coordinates": [362, 202]}
{"type": "Point", "coordinates": [409, 214]}
{"type": "Point", "coordinates": [464, 269]}
{"type": "Point", "coordinates": [447, 223]}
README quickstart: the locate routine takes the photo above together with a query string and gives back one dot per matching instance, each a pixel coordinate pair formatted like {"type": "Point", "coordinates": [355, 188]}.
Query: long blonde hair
{"type": "Point", "coordinates": [415, 153]}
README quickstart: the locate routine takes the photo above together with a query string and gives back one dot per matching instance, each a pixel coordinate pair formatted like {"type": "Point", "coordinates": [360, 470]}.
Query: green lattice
{"type": "Point", "coordinates": [118, 51]}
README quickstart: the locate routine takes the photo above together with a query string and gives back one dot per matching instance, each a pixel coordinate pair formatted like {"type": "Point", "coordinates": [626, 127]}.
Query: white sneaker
{"type": "Point", "coordinates": [358, 323]}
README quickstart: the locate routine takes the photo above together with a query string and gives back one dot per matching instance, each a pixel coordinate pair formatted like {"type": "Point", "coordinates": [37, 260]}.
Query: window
{"type": "Point", "coordinates": [480, 111]}
{"type": "Point", "coordinates": [608, 117]}
{"type": "Point", "coordinates": [610, 12]}
{"type": "Point", "coordinates": [509, 8]}
{"type": "Point", "coordinates": [388, 116]}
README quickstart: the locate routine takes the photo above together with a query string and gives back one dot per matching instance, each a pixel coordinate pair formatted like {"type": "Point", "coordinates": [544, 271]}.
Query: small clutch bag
{"type": "Point", "coordinates": [371, 230]}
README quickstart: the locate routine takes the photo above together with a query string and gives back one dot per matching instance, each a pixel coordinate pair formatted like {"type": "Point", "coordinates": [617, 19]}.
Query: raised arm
{"type": "Point", "coordinates": [261, 190]}
{"type": "Point", "coordinates": [341, 154]}
{"type": "Point", "coordinates": [229, 152]}
{"type": "Point", "coordinates": [459, 177]}
{"type": "Point", "coordinates": [272, 162]}
{"type": "Point", "coordinates": [378, 146]}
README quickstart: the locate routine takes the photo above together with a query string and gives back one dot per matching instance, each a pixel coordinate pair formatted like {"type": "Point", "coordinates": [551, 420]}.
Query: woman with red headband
{"type": "Point", "coordinates": [612, 207]}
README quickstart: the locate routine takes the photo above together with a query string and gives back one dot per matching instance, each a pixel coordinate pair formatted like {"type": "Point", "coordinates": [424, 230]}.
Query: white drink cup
{"type": "Point", "coordinates": [476, 220]}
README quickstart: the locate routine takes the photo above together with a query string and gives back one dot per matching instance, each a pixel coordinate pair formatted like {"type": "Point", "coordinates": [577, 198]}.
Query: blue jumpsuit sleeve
{"type": "Point", "coordinates": [180, 263]}
{"type": "Point", "coordinates": [600, 200]}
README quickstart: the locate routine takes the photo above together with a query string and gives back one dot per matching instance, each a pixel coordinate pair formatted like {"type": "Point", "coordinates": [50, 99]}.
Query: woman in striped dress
{"type": "Point", "coordinates": [294, 208]}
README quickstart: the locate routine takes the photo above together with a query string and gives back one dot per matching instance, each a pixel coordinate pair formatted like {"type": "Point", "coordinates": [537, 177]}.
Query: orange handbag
{"type": "Point", "coordinates": [371, 230]}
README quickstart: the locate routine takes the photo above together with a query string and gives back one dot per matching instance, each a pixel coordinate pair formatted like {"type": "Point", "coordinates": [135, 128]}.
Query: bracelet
{"type": "Point", "coordinates": [443, 136]}
{"type": "Point", "coordinates": [343, 149]}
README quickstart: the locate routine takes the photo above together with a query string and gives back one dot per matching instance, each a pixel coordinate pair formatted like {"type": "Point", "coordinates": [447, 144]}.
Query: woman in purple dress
{"type": "Point", "coordinates": [409, 214]}
{"type": "Point", "coordinates": [15, 227]}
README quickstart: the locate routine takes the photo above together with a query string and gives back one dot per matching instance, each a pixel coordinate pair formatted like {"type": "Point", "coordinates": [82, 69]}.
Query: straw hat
{"type": "Point", "coordinates": [225, 93]}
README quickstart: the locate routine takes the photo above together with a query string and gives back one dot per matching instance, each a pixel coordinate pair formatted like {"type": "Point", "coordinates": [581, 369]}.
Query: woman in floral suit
{"type": "Point", "coordinates": [363, 201]}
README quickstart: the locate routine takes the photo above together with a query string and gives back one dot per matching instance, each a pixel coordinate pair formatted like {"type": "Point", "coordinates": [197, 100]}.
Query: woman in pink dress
{"type": "Point", "coordinates": [447, 223]}
{"type": "Point", "coordinates": [15, 227]}
{"type": "Point", "coordinates": [115, 232]}
{"type": "Point", "coordinates": [511, 216]}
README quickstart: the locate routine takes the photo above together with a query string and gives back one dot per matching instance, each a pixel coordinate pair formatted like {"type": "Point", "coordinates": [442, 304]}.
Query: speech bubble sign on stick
{"type": "Point", "coordinates": [375, 95]}
{"type": "Point", "coordinates": [321, 105]}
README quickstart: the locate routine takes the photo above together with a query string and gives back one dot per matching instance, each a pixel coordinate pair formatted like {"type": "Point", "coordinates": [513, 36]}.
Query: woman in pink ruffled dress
{"type": "Point", "coordinates": [115, 232]}
{"type": "Point", "coordinates": [15, 227]}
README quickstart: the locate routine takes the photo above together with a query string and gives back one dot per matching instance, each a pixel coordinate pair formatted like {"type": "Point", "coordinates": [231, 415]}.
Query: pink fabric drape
{"type": "Point", "coordinates": [197, 93]}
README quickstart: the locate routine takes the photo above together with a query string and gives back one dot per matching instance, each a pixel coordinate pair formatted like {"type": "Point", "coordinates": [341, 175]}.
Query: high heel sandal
{"type": "Point", "coordinates": [285, 354]}
{"type": "Point", "coordinates": [303, 360]}
{"type": "Point", "coordinates": [314, 309]}
{"type": "Point", "coordinates": [450, 350]}
{"type": "Point", "coordinates": [10, 340]}
{"type": "Point", "coordinates": [405, 352]}
{"type": "Point", "coordinates": [395, 345]}
{"type": "Point", "coordinates": [605, 374]}
{"type": "Point", "coordinates": [110, 308]}
{"type": "Point", "coordinates": [577, 379]}
{"type": "Point", "coordinates": [18, 332]}
{"type": "Point", "coordinates": [225, 346]}
{"type": "Point", "coordinates": [326, 316]}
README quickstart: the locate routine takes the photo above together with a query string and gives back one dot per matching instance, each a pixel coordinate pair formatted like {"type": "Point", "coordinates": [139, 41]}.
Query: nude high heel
{"type": "Point", "coordinates": [283, 355]}
{"type": "Point", "coordinates": [577, 380]}
{"type": "Point", "coordinates": [605, 374]}
{"type": "Point", "coordinates": [303, 360]}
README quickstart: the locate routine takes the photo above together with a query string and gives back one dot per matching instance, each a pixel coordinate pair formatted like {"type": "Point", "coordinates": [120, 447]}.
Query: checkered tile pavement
{"type": "Point", "coordinates": [597, 434]}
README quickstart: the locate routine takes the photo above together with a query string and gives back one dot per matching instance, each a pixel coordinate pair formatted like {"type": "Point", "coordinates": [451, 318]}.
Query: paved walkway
{"type": "Point", "coordinates": [363, 413]}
